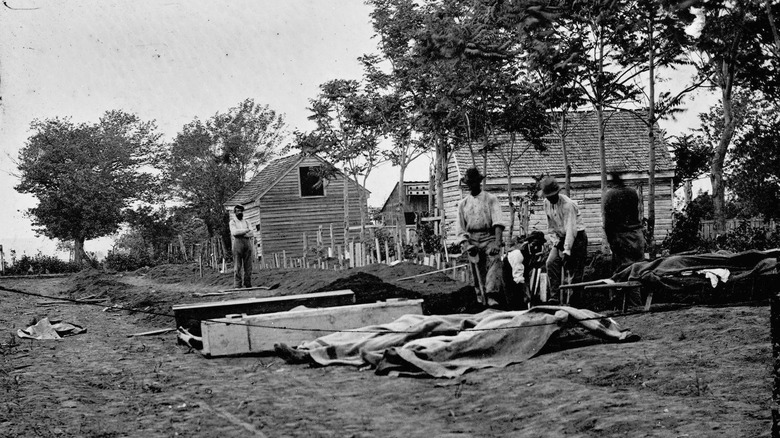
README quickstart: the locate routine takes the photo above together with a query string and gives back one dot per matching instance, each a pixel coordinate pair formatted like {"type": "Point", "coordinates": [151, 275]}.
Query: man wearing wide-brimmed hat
{"type": "Point", "coordinates": [566, 232]}
{"type": "Point", "coordinates": [480, 233]}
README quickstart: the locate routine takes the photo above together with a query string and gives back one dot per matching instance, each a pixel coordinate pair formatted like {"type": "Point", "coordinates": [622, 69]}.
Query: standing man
{"type": "Point", "coordinates": [242, 249]}
{"type": "Point", "coordinates": [624, 230]}
{"type": "Point", "coordinates": [480, 234]}
{"type": "Point", "coordinates": [566, 233]}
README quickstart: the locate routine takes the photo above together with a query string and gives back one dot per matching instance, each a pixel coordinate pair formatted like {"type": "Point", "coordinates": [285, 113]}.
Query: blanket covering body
{"type": "Point", "coordinates": [450, 345]}
{"type": "Point", "coordinates": [675, 272]}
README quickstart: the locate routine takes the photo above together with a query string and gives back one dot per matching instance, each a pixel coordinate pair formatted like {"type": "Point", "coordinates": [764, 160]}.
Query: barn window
{"type": "Point", "coordinates": [311, 181]}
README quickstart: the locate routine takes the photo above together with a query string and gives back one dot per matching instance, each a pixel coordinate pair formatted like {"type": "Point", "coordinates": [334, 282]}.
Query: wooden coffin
{"type": "Point", "coordinates": [242, 334]}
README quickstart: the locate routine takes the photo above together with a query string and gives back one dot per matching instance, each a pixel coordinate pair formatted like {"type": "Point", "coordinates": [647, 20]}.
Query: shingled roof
{"type": "Point", "coordinates": [625, 146]}
{"type": "Point", "coordinates": [264, 179]}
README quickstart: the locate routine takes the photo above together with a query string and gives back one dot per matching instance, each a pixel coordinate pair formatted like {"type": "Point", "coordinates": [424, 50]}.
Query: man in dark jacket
{"type": "Point", "coordinates": [624, 230]}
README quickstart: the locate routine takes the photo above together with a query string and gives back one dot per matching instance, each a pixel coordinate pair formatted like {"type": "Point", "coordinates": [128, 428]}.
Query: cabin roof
{"type": "Point", "coordinates": [626, 149]}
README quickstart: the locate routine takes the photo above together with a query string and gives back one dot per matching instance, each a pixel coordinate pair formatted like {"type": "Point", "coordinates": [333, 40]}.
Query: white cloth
{"type": "Point", "coordinates": [515, 258]}
{"type": "Point", "coordinates": [563, 221]}
{"type": "Point", "coordinates": [715, 275]}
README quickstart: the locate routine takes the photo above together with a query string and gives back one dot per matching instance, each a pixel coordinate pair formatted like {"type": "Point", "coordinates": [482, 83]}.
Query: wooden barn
{"type": "Point", "coordinates": [417, 202]}
{"type": "Point", "coordinates": [626, 151]}
{"type": "Point", "coordinates": [286, 200]}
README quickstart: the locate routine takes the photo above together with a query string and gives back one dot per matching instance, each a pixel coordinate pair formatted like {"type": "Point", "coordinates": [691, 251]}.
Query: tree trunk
{"type": "Point", "coordinates": [719, 157]}
{"type": "Point", "coordinates": [511, 202]}
{"type": "Point", "coordinates": [401, 221]}
{"type": "Point", "coordinates": [362, 209]}
{"type": "Point", "coordinates": [651, 145]}
{"type": "Point", "coordinates": [566, 166]}
{"type": "Point", "coordinates": [441, 167]}
{"type": "Point", "coordinates": [346, 209]}
{"type": "Point", "coordinates": [688, 192]}
{"type": "Point", "coordinates": [78, 250]}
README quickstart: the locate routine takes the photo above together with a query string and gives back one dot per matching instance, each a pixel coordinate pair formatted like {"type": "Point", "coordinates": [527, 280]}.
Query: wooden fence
{"type": "Point", "coordinates": [707, 227]}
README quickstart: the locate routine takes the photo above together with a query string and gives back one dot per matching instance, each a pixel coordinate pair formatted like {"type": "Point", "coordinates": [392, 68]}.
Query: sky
{"type": "Point", "coordinates": [172, 61]}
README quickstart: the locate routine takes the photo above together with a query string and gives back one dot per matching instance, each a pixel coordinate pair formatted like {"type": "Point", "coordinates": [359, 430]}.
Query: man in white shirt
{"type": "Point", "coordinates": [566, 233]}
{"type": "Point", "coordinates": [480, 234]}
{"type": "Point", "coordinates": [242, 249]}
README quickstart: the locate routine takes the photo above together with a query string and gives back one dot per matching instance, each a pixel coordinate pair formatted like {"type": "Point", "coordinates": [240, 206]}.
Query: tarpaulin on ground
{"type": "Point", "coordinates": [50, 329]}
{"type": "Point", "coordinates": [679, 271]}
{"type": "Point", "coordinates": [450, 345]}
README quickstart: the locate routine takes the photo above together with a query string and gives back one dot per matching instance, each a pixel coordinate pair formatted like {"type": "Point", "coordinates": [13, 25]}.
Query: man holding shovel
{"type": "Point", "coordinates": [566, 233]}
{"type": "Point", "coordinates": [480, 233]}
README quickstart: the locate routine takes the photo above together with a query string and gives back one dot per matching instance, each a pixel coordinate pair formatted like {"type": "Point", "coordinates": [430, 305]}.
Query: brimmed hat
{"type": "Point", "coordinates": [549, 187]}
{"type": "Point", "coordinates": [472, 174]}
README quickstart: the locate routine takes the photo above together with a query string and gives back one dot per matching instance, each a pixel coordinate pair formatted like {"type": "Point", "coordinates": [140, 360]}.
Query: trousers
{"type": "Point", "coordinates": [575, 268]}
{"type": "Point", "coordinates": [242, 262]}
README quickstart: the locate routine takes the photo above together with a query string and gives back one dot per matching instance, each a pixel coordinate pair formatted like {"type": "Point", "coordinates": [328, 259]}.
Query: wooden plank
{"type": "Point", "coordinates": [153, 332]}
{"type": "Point", "coordinates": [615, 285]}
{"type": "Point", "coordinates": [259, 333]}
{"type": "Point", "coordinates": [190, 315]}
{"type": "Point", "coordinates": [254, 288]}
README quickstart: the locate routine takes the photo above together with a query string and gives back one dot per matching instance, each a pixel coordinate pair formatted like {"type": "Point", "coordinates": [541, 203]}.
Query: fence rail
{"type": "Point", "coordinates": [707, 227]}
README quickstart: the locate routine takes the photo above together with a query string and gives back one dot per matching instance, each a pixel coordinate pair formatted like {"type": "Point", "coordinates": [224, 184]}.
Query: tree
{"type": "Point", "coordinates": [753, 169]}
{"type": "Point", "coordinates": [348, 130]}
{"type": "Point", "coordinates": [659, 40]}
{"type": "Point", "coordinates": [86, 176]}
{"type": "Point", "coordinates": [735, 45]}
{"type": "Point", "coordinates": [692, 157]}
{"type": "Point", "coordinates": [399, 123]}
{"type": "Point", "coordinates": [463, 65]}
{"type": "Point", "coordinates": [209, 161]}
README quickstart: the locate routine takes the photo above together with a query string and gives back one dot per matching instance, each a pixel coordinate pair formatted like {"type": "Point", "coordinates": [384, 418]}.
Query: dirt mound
{"type": "Point", "coordinates": [97, 284]}
{"type": "Point", "coordinates": [368, 288]}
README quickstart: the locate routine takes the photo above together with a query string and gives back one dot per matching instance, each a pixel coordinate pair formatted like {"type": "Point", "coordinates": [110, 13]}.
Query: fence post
{"type": "Point", "coordinates": [774, 320]}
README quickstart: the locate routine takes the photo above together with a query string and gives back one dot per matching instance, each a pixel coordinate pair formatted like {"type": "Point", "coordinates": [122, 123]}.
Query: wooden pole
{"type": "Point", "coordinates": [387, 253]}
{"type": "Point", "coordinates": [284, 258]}
{"type": "Point", "coordinates": [774, 320]}
{"type": "Point", "coordinates": [200, 259]}
{"type": "Point", "coordinates": [378, 250]}
{"type": "Point", "coordinates": [332, 239]}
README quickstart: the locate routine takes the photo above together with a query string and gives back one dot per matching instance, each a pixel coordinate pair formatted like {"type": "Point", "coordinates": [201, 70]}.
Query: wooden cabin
{"type": "Point", "coordinates": [626, 151]}
{"type": "Point", "coordinates": [417, 203]}
{"type": "Point", "coordinates": [286, 200]}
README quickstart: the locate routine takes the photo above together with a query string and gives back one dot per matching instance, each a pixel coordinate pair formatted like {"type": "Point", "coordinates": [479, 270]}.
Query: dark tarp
{"type": "Point", "coordinates": [679, 271]}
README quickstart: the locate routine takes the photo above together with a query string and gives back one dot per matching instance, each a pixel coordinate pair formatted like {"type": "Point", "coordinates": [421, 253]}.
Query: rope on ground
{"type": "Point", "coordinates": [244, 323]}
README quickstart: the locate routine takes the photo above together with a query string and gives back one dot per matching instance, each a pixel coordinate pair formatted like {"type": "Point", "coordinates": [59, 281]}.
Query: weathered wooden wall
{"type": "Point", "coordinates": [284, 215]}
{"type": "Point", "coordinates": [586, 194]}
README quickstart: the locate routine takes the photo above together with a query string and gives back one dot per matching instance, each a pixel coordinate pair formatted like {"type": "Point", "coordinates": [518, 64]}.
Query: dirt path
{"type": "Point", "coordinates": [699, 372]}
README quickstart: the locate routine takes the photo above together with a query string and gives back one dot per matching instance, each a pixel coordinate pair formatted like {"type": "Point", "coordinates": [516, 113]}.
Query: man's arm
{"type": "Point", "coordinates": [239, 228]}
{"type": "Point", "coordinates": [461, 231]}
{"type": "Point", "coordinates": [552, 236]}
{"type": "Point", "coordinates": [570, 227]}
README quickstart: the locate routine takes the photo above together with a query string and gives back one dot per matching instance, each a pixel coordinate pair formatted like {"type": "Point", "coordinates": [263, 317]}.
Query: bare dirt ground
{"type": "Point", "coordinates": [699, 371]}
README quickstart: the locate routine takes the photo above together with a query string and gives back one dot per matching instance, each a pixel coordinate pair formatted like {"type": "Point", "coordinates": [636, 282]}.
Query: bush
{"type": "Point", "coordinates": [746, 237]}
{"type": "Point", "coordinates": [40, 264]}
{"type": "Point", "coordinates": [121, 261]}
